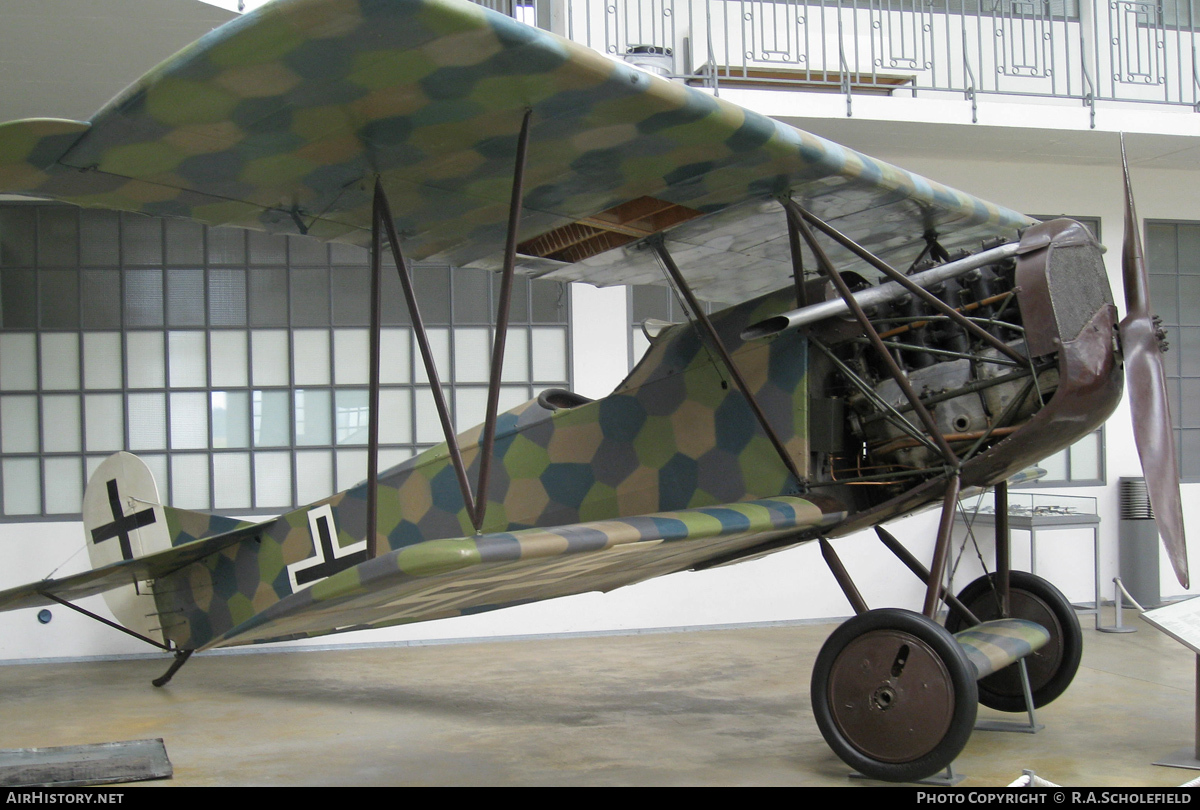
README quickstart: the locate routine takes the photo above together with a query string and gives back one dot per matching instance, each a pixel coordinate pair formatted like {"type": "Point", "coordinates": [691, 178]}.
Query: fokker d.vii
{"type": "Point", "coordinates": [890, 342]}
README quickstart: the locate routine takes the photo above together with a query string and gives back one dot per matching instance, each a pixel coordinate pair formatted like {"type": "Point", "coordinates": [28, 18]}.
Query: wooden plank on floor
{"type": "Point", "coordinates": [72, 765]}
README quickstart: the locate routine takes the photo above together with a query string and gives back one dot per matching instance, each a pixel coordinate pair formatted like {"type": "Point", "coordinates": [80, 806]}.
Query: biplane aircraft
{"type": "Point", "coordinates": [891, 341]}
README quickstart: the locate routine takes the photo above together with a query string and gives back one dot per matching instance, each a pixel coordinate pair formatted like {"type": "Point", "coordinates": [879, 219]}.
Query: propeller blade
{"type": "Point", "coordinates": [1148, 392]}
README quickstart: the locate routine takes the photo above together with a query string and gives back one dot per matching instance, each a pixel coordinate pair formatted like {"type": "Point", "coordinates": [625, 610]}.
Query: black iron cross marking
{"type": "Point", "coordinates": [329, 564]}
{"type": "Point", "coordinates": [122, 524]}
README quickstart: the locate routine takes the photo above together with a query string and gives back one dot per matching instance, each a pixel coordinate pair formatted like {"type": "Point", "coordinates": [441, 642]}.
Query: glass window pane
{"type": "Point", "coordinates": [19, 424]}
{"type": "Point", "coordinates": [147, 422]}
{"type": "Point", "coordinates": [102, 360]}
{"type": "Point", "coordinates": [185, 297]}
{"type": "Point", "coordinates": [304, 250]}
{"type": "Point", "coordinates": [230, 418]}
{"type": "Point", "coordinates": [395, 416]}
{"type": "Point", "coordinates": [185, 242]}
{"type": "Point", "coordinates": [58, 236]}
{"type": "Point", "coordinates": [189, 420]}
{"type": "Point", "coordinates": [102, 299]}
{"type": "Point", "coordinates": [231, 481]}
{"type": "Point", "coordinates": [59, 299]}
{"type": "Point", "coordinates": [229, 358]}
{"type": "Point", "coordinates": [472, 355]}
{"type": "Point", "coordinates": [1187, 414]}
{"type": "Point", "coordinates": [18, 362]}
{"type": "Point", "coordinates": [516, 356]}
{"type": "Point", "coordinates": [60, 360]}
{"type": "Point", "coordinates": [439, 345]}
{"type": "Point", "coordinates": [143, 297]}
{"type": "Point", "coordinates": [18, 299]}
{"type": "Point", "coordinates": [432, 285]}
{"type": "Point", "coordinates": [64, 486]}
{"type": "Point", "coordinates": [351, 468]}
{"type": "Point", "coordinates": [271, 418]}
{"type": "Point", "coordinates": [268, 296]}
{"type": "Point", "coordinates": [470, 407]}
{"type": "Point", "coordinates": [226, 246]}
{"type": "Point", "coordinates": [352, 296]}
{"type": "Point", "coordinates": [511, 396]}
{"type": "Point", "coordinates": [22, 486]}
{"type": "Point", "coordinates": [144, 353]}
{"type": "Point", "coordinates": [519, 308]}
{"type": "Point", "coordinates": [314, 475]}
{"type": "Point", "coordinates": [549, 354]}
{"type": "Point", "coordinates": [227, 297]}
{"type": "Point", "coordinates": [272, 480]}
{"type": "Point", "coordinates": [351, 416]}
{"type": "Point", "coordinates": [352, 356]}
{"type": "Point", "coordinates": [429, 427]}
{"type": "Point", "coordinates": [104, 422]}
{"type": "Point", "coordinates": [99, 237]}
{"type": "Point", "coordinates": [18, 225]}
{"type": "Point", "coordinates": [189, 481]}
{"type": "Point", "coordinates": [391, 456]}
{"type": "Point", "coordinates": [310, 297]}
{"type": "Point", "coordinates": [189, 359]}
{"type": "Point", "coordinates": [141, 240]}
{"type": "Point", "coordinates": [267, 248]}
{"type": "Point", "coordinates": [269, 350]}
{"type": "Point", "coordinates": [395, 356]}
{"type": "Point", "coordinates": [312, 416]}
{"type": "Point", "coordinates": [1085, 458]}
{"type": "Point", "coordinates": [1055, 466]}
{"type": "Point", "coordinates": [311, 356]}
{"type": "Point", "coordinates": [1189, 297]}
{"type": "Point", "coordinates": [159, 471]}
{"type": "Point", "coordinates": [60, 418]}
{"type": "Point", "coordinates": [1189, 249]}
{"type": "Point", "coordinates": [471, 302]}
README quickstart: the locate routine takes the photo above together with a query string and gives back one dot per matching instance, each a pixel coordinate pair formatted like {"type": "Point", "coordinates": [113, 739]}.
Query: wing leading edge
{"type": "Point", "coordinates": [451, 577]}
{"type": "Point", "coordinates": [281, 120]}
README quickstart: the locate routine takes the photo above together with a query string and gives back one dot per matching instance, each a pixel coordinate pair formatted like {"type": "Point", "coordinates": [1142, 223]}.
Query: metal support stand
{"type": "Point", "coordinates": [1032, 727]}
{"type": "Point", "coordinates": [1119, 604]}
{"type": "Point", "coordinates": [1188, 757]}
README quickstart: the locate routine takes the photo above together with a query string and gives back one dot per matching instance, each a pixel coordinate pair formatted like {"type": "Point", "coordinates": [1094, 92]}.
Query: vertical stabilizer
{"type": "Point", "coordinates": [124, 519]}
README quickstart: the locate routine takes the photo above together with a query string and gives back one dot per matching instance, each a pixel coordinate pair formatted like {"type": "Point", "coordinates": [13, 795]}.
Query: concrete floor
{"type": "Point", "coordinates": [713, 707]}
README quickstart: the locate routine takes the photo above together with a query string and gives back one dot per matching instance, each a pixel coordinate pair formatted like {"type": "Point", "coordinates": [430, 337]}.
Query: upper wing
{"type": "Point", "coordinates": [281, 120]}
{"type": "Point", "coordinates": [450, 577]}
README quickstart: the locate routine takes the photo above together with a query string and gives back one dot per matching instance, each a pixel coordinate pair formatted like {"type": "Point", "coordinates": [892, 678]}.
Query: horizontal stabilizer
{"type": "Point", "coordinates": [123, 572]}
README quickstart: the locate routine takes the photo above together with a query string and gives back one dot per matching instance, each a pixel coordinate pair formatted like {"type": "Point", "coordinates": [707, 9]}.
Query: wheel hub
{"type": "Point", "coordinates": [891, 696]}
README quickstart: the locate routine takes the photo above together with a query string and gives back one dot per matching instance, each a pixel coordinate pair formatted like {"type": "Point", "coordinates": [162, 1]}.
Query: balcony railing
{"type": "Point", "coordinates": [1085, 50]}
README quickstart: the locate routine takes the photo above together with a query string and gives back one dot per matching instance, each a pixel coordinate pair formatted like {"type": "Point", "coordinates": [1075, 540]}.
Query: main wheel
{"type": "Point", "coordinates": [1053, 667]}
{"type": "Point", "coordinates": [894, 695]}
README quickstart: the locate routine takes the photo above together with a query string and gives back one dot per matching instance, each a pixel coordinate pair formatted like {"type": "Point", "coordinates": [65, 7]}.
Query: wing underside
{"type": "Point", "coordinates": [282, 119]}
{"type": "Point", "coordinates": [443, 578]}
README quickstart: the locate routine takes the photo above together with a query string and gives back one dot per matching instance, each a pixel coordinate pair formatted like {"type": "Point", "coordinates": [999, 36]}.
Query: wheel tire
{"type": "Point", "coordinates": [1053, 667]}
{"type": "Point", "coordinates": [894, 695]}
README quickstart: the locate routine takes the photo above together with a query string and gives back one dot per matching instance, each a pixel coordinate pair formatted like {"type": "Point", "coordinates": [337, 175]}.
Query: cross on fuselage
{"type": "Point", "coordinates": [122, 524]}
{"type": "Point", "coordinates": [330, 564]}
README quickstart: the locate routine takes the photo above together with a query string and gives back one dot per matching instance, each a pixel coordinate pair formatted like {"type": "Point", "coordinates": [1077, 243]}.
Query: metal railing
{"type": "Point", "coordinates": [1086, 50]}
